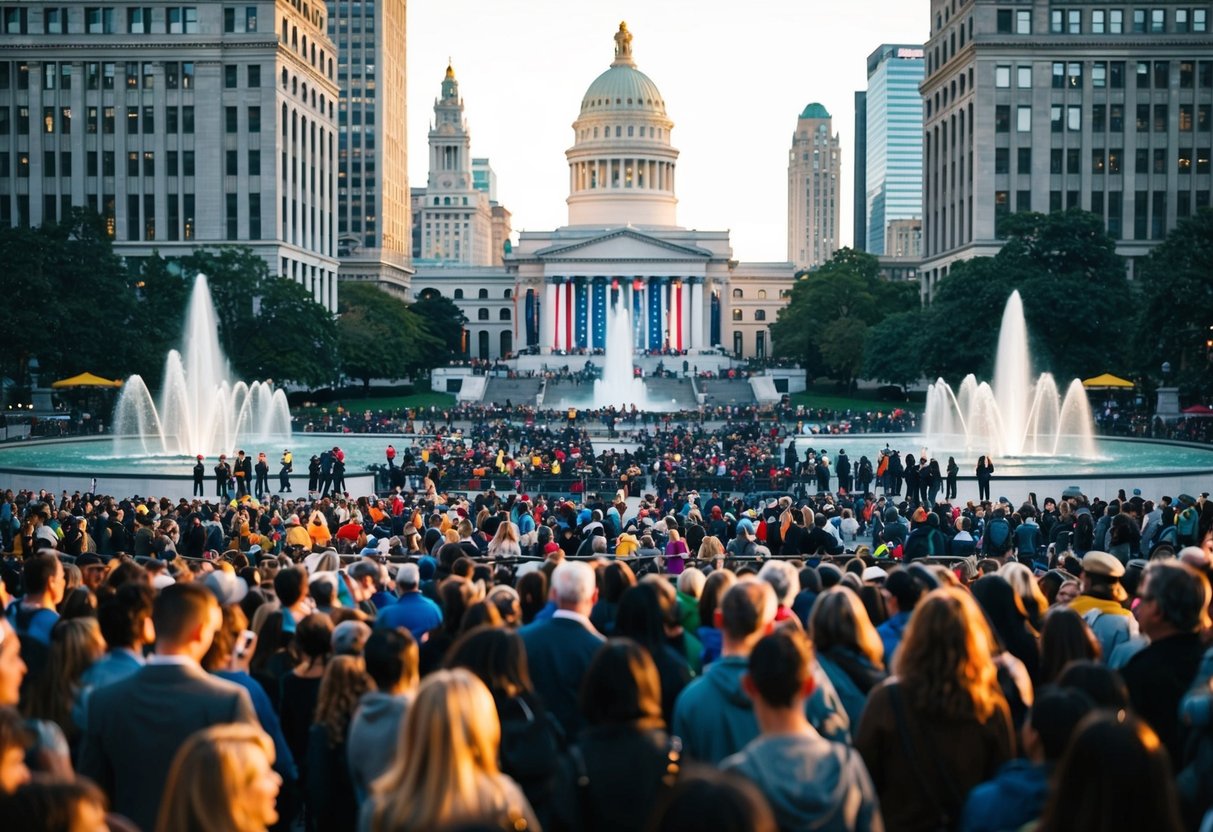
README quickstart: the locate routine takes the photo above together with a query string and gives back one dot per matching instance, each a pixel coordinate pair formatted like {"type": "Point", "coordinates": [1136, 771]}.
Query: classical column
{"type": "Point", "coordinates": [558, 315]}
{"type": "Point", "coordinates": [687, 311]}
{"type": "Point", "coordinates": [696, 313]}
{"type": "Point", "coordinates": [547, 328]}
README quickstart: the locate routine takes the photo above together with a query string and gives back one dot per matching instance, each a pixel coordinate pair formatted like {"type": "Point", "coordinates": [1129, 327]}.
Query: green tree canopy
{"type": "Point", "coordinates": [831, 310]}
{"type": "Point", "coordinates": [1176, 320]}
{"type": "Point", "coordinates": [380, 336]}
{"type": "Point", "coordinates": [443, 320]}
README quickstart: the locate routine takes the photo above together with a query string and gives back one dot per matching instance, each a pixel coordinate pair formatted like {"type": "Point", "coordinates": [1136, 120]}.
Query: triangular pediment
{"type": "Point", "coordinates": [621, 245]}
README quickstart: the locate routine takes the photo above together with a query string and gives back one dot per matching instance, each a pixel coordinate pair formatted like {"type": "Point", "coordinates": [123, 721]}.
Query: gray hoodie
{"type": "Point", "coordinates": [810, 782]}
{"type": "Point", "coordinates": [373, 738]}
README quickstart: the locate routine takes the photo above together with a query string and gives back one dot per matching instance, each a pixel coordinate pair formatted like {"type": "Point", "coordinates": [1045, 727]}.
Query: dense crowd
{"type": "Point", "coordinates": [677, 660]}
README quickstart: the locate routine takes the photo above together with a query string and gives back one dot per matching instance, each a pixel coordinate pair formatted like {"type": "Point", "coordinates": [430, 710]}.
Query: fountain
{"type": "Point", "coordinates": [201, 411]}
{"type": "Point", "coordinates": [619, 385]}
{"type": "Point", "coordinates": [1013, 417]}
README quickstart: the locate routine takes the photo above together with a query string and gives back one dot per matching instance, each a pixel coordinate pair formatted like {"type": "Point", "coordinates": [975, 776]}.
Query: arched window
{"type": "Point", "coordinates": [483, 294]}
{"type": "Point", "coordinates": [429, 294]}
{"type": "Point", "coordinates": [762, 294]}
{"type": "Point", "coordinates": [458, 294]}
{"type": "Point", "coordinates": [509, 293]}
{"type": "Point", "coordinates": [760, 314]}
{"type": "Point", "coordinates": [504, 314]}
{"type": "Point", "coordinates": [737, 293]}
{"type": "Point", "coordinates": [736, 314]}
{"type": "Point", "coordinates": [482, 315]}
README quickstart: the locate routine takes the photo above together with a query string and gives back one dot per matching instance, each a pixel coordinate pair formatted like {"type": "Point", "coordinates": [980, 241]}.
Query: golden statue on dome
{"type": "Point", "coordinates": [623, 44]}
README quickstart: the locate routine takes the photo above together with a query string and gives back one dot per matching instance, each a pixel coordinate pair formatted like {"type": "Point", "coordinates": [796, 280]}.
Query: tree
{"type": "Point", "coordinates": [1176, 315]}
{"type": "Point", "coordinates": [443, 320]}
{"type": "Point", "coordinates": [893, 350]}
{"type": "Point", "coordinates": [157, 316]}
{"type": "Point", "coordinates": [827, 318]}
{"type": "Point", "coordinates": [380, 336]}
{"type": "Point", "coordinates": [294, 339]}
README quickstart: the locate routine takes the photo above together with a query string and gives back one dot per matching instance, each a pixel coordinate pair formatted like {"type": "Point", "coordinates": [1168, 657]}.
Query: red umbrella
{"type": "Point", "coordinates": [1198, 410]}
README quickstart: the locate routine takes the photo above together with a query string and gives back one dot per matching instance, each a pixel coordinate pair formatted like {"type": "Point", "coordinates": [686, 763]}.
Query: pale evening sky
{"type": "Point", "coordinates": [734, 76]}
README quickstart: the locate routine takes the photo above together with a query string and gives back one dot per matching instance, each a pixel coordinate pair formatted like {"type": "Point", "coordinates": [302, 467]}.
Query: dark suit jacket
{"type": "Point", "coordinates": [136, 726]}
{"type": "Point", "coordinates": [559, 652]}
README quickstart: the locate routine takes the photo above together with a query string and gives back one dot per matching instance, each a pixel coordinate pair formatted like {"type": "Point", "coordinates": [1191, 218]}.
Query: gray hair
{"type": "Point", "coordinates": [573, 583]}
{"type": "Point", "coordinates": [783, 578]}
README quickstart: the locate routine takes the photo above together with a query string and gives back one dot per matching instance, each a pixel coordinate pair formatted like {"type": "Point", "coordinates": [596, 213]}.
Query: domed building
{"type": "Point", "coordinates": [621, 250]}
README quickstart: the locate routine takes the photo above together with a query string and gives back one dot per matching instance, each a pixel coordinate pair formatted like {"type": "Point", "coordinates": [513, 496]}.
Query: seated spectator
{"type": "Point", "coordinates": [810, 782]}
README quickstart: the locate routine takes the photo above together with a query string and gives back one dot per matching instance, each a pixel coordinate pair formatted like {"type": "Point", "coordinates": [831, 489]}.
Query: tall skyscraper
{"type": "Point", "coordinates": [1027, 107]}
{"type": "Point", "coordinates": [374, 217]}
{"type": "Point", "coordinates": [859, 188]}
{"type": "Point", "coordinates": [456, 220]}
{"type": "Point", "coordinates": [181, 125]}
{"type": "Point", "coordinates": [484, 178]}
{"type": "Point", "coordinates": [893, 180]}
{"type": "Point", "coordinates": [813, 188]}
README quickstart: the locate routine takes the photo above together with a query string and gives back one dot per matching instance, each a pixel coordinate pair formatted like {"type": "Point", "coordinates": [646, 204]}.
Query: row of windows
{"type": "Point", "coordinates": [102, 163]}
{"type": "Point", "coordinates": [644, 132]}
{"type": "Point", "coordinates": [100, 119]}
{"type": "Point", "coordinates": [1112, 21]}
{"type": "Point", "coordinates": [1068, 161]}
{"type": "Point", "coordinates": [1149, 208]}
{"type": "Point", "coordinates": [103, 20]}
{"type": "Point", "coordinates": [100, 75]}
{"type": "Point", "coordinates": [759, 314]}
{"type": "Point", "coordinates": [1149, 118]}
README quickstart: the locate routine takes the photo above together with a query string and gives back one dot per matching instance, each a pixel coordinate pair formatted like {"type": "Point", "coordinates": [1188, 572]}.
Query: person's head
{"type": "Point", "coordinates": [621, 685]}
{"type": "Point", "coordinates": [15, 740]}
{"type": "Point", "coordinates": [185, 617]}
{"type": "Point", "coordinates": [714, 588]}
{"type": "Point", "coordinates": [839, 619]}
{"type": "Point", "coordinates": [574, 587]}
{"type": "Point", "coordinates": [1174, 599]}
{"type": "Point", "coordinates": [691, 581]}
{"type": "Point", "coordinates": [747, 612]}
{"type": "Point", "coordinates": [902, 590]}
{"type": "Point", "coordinates": [44, 579]}
{"type": "Point", "coordinates": [12, 666]}
{"type": "Point", "coordinates": [1114, 775]}
{"type": "Point", "coordinates": [783, 578]}
{"type": "Point", "coordinates": [1064, 638]}
{"type": "Point", "coordinates": [498, 658]}
{"type": "Point", "coordinates": [1003, 608]}
{"type": "Point", "coordinates": [945, 661]}
{"type": "Point", "coordinates": [780, 675]}
{"type": "Point", "coordinates": [446, 761]}
{"type": "Point", "coordinates": [391, 658]}
{"type": "Point", "coordinates": [290, 585]}
{"type": "Point", "coordinates": [51, 804]}
{"type": "Point", "coordinates": [314, 638]}
{"type": "Point", "coordinates": [341, 688]}
{"type": "Point", "coordinates": [1101, 574]}
{"type": "Point", "coordinates": [616, 577]}
{"type": "Point", "coordinates": [532, 594]}
{"type": "Point", "coordinates": [126, 617]}
{"type": "Point", "coordinates": [705, 798]}
{"type": "Point", "coordinates": [1055, 714]}
{"type": "Point", "coordinates": [349, 637]}
{"type": "Point", "coordinates": [222, 777]}
{"type": "Point", "coordinates": [1098, 681]}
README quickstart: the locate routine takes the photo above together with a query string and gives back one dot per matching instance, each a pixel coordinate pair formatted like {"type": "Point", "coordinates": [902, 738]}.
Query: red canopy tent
{"type": "Point", "coordinates": [1198, 410]}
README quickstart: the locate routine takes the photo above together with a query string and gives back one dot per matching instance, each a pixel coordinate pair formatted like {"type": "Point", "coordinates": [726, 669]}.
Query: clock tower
{"type": "Point", "coordinates": [456, 219]}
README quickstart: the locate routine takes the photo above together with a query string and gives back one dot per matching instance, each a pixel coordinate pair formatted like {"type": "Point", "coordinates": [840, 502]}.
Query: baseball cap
{"type": "Point", "coordinates": [349, 637]}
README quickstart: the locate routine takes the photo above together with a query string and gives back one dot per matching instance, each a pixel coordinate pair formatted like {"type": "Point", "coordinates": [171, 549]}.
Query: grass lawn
{"type": "Point", "coordinates": [826, 396]}
{"type": "Point", "coordinates": [394, 402]}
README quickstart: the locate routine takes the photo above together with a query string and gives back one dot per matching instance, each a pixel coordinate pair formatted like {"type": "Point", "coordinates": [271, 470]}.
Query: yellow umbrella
{"type": "Point", "coordinates": [85, 380]}
{"type": "Point", "coordinates": [1105, 381]}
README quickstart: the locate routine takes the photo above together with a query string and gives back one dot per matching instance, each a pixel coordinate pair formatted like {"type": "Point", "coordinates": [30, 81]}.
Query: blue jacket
{"type": "Point", "coordinates": [559, 652]}
{"type": "Point", "coordinates": [284, 761]}
{"type": "Point", "coordinates": [1016, 796]}
{"type": "Point", "coordinates": [891, 632]}
{"type": "Point", "coordinates": [114, 666]}
{"type": "Point", "coordinates": [412, 611]}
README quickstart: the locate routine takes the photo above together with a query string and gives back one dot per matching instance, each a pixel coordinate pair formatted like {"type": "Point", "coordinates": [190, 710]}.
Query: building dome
{"type": "Point", "coordinates": [622, 163]}
{"type": "Point", "coordinates": [815, 110]}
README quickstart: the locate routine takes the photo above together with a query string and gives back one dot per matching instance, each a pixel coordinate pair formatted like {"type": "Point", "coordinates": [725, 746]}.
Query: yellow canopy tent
{"type": "Point", "coordinates": [1106, 381]}
{"type": "Point", "coordinates": [85, 380]}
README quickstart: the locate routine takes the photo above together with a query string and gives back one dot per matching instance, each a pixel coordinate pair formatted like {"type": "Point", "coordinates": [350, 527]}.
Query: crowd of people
{"type": "Point", "coordinates": [672, 660]}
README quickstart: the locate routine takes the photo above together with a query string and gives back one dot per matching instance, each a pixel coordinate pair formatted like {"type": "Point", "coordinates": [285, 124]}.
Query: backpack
{"type": "Point", "coordinates": [1187, 524]}
{"type": "Point", "coordinates": [998, 536]}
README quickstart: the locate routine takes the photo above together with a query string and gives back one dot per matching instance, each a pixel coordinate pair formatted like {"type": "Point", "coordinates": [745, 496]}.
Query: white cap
{"type": "Point", "coordinates": [874, 573]}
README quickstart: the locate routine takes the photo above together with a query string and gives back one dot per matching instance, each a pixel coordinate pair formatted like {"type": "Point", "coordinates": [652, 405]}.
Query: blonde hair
{"type": "Point", "coordinates": [505, 531]}
{"type": "Point", "coordinates": [711, 548]}
{"type": "Point", "coordinates": [840, 619]}
{"type": "Point", "coordinates": [945, 661]}
{"type": "Point", "coordinates": [691, 582]}
{"type": "Point", "coordinates": [445, 769]}
{"type": "Point", "coordinates": [1028, 589]}
{"type": "Point", "coordinates": [345, 680]}
{"type": "Point", "coordinates": [210, 772]}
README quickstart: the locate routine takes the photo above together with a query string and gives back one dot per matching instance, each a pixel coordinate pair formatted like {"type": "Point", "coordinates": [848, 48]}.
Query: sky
{"type": "Point", "coordinates": [734, 76]}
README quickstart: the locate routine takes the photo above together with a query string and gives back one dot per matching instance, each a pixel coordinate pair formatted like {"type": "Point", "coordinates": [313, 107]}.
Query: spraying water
{"type": "Point", "coordinates": [201, 410]}
{"type": "Point", "coordinates": [619, 386]}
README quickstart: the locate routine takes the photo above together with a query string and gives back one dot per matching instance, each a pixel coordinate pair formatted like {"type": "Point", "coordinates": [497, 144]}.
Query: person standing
{"type": "Point", "coordinates": [985, 470]}
{"type": "Point", "coordinates": [843, 467]}
{"type": "Point", "coordinates": [391, 457]}
{"type": "Point", "coordinates": [238, 471]}
{"type": "Point", "coordinates": [934, 481]}
{"type": "Point", "coordinates": [284, 473]}
{"type": "Point", "coordinates": [199, 476]}
{"type": "Point", "coordinates": [313, 473]}
{"type": "Point", "coordinates": [911, 477]}
{"type": "Point", "coordinates": [953, 470]}
{"type": "Point", "coordinates": [338, 480]}
{"type": "Point", "coordinates": [263, 476]}
{"type": "Point", "coordinates": [326, 472]}
{"type": "Point", "coordinates": [223, 476]}
{"type": "Point", "coordinates": [135, 726]}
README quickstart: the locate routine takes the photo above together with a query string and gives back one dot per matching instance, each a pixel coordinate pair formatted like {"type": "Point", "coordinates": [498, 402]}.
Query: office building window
{"type": "Point", "coordinates": [1185, 118]}
{"type": "Point", "coordinates": [1073, 161]}
{"type": "Point", "coordinates": [187, 163]}
{"type": "Point", "coordinates": [1098, 25]}
{"type": "Point", "coordinates": [149, 119]}
{"type": "Point", "coordinates": [172, 166]}
{"type": "Point", "coordinates": [1024, 79]}
{"type": "Point", "coordinates": [230, 76]}
{"type": "Point", "coordinates": [1073, 119]}
{"type": "Point", "coordinates": [1023, 119]}
{"type": "Point", "coordinates": [139, 20]}
{"type": "Point", "coordinates": [1023, 22]}
{"type": "Point", "coordinates": [254, 119]}
{"type": "Point", "coordinates": [1002, 160]}
{"type": "Point", "coordinates": [1184, 160]}
{"type": "Point", "coordinates": [1181, 20]}
{"type": "Point", "coordinates": [1056, 21]}
{"type": "Point", "coordinates": [1074, 21]}
{"type": "Point", "coordinates": [254, 216]}
{"type": "Point", "coordinates": [1099, 114]}
{"type": "Point", "coordinates": [1116, 75]}
{"type": "Point", "coordinates": [1114, 160]}
{"type": "Point", "coordinates": [1002, 118]}
{"type": "Point", "coordinates": [1162, 75]}
{"type": "Point", "coordinates": [1158, 20]}
{"type": "Point", "coordinates": [1160, 118]}
{"type": "Point", "coordinates": [1116, 22]}
{"type": "Point", "coordinates": [1059, 75]}
{"type": "Point", "coordinates": [1143, 75]}
{"type": "Point", "coordinates": [1116, 118]}
{"type": "Point", "coordinates": [1074, 75]}
{"type": "Point", "coordinates": [233, 221]}
{"type": "Point", "coordinates": [1055, 119]}
{"type": "Point", "coordinates": [187, 120]}
{"type": "Point", "coordinates": [1187, 74]}
{"type": "Point", "coordinates": [231, 163]}
{"type": "Point", "coordinates": [1158, 218]}
{"type": "Point", "coordinates": [1097, 160]}
{"type": "Point", "coordinates": [1099, 74]}
{"type": "Point", "coordinates": [1200, 20]}
{"type": "Point", "coordinates": [1160, 160]}
{"type": "Point", "coordinates": [1005, 22]}
{"type": "Point", "coordinates": [230, 119]}
{"type": "Point", "coordinates": [1024, 161]}
{"type": "Point", "coordinates": [254, 75]}
{"type": "Point", "coordinates": [1002, 76]}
